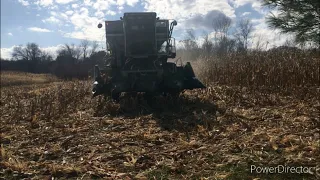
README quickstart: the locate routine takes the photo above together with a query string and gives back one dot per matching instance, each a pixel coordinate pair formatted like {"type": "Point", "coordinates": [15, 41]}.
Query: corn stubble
{"type": "Point", "coordinates": [258, 110]}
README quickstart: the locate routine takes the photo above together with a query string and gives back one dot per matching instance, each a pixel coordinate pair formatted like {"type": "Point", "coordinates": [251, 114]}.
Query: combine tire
{"type": "Point", "coordinates": [115, 96]}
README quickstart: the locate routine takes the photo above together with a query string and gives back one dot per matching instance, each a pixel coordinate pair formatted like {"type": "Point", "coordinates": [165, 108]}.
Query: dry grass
{"type": "Point", "coordinates": [10, 78]}
{"type": "Point", "coordinates": [57, 130]}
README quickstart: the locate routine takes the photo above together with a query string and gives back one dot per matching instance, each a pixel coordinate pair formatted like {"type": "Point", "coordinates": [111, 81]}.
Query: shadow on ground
{"type": "Point", "coordinates": [181, 113]}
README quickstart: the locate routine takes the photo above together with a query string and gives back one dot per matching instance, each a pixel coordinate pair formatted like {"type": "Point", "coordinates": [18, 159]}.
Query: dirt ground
{"type": "Point", "coordinates": [56, 131]}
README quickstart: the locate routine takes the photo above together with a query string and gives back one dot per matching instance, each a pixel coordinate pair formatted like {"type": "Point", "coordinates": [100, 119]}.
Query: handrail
{"type": "Point", "coordinates": [178, 60]}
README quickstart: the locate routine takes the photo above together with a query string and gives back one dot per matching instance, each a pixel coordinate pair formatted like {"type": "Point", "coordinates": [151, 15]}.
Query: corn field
{"type": "Point", "coordinates": [278, 71]}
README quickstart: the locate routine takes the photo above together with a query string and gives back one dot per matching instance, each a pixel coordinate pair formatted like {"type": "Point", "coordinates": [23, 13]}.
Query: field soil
{"type": "Point", "coordinates": [56, 130]}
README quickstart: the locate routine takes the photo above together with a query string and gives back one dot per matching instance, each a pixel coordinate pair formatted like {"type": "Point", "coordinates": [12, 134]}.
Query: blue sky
{"type": "Point", "coordinates": [52, 23]}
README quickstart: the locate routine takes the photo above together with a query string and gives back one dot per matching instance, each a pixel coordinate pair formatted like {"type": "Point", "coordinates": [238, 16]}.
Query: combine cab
{"type": "Point", "coordinates": [138, 46]}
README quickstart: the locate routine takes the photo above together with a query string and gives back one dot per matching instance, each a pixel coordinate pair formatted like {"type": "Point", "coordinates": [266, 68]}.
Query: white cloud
{"type": "Point", "coordinates": [69, 12]}
{"type": "Point", "coordinates": [38, 15]}
{"type": "Point", "coordinates": [187, 8]}
{"type": "Point", "coordinates": [52, 50]}
{"type": "Point", "coordinates": [99, 14]}
{"type": "Point", "coordinates": [112, 13]}
{"type": "Point", "coordinates": [24, 2]}
{"type": "Point", "coordinates": [204, 21]}
{"type": "Point", "coordinates": [53, 7]}
{"type": "Point", "coordinates": [53, 13]}
{"type": "Point", "coordinates": [10, 34]}
{"type": "Point", "coordinates": [51, 19]}
{"type": "Point", "coordinates": [106, 4]}
{"type": "Point", "coordinates": [101, 5]}
{"type": "Point", "coordinates": [132, 2]}
{"type": "Point", "coordinates": [6, 52]}
{"type": "Point", "coordinates": [121, 2]}
{"type": "Point", "coordinates": [84, 11]}
{"type": "Point", "coordinates": [75, 6]}
{"type": "Point", "coordinates": [64, 1]}
{"type": "Point", "coordinates": [128, 2]}
{"type": "Point", "coordinates": [36, 29]}
{"type": "Point", "coordinates": [57, 17]}
{"type": "Point", "coordinates": [245, 13]}
{"type": "Point", "coordinates": [258, 21]}
{"type": "Point", "coordinates": [44, 3]}
{"type": "Point", "coordinates": [239, 3]}
{"type": "Point", "coordinates": [88, 3]}
{"type": "Point", "coordinates": [183, 10]}
{"type": "Point", "coordinates": [63, 16]}
{"type": "Point", "coordinates": [256, 5]}
{"type": "Point", "coordinates": [268, 37]}
{"type": "Point", "coordinates": [86, 26]}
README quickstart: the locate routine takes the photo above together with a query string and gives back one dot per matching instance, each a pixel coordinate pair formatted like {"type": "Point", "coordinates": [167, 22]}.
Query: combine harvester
{"type": "Point", "coordinates": [138, 48]}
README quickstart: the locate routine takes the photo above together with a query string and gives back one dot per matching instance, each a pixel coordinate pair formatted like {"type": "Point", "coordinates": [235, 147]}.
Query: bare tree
{"type": "Point", "coordinates": [20, 53]}
{"type": "Point", "coordinates": [70, 51]}
{"type": "Point", "coordinates": [31, 52]}
{"type": "Point", "coordinates": [290, 42]}
{"type": "Point", "coordinates": [84, 46]}
{"type": "Point", "coordinates": [94, 48]}
{"type": "Point", "coordinates": [88, 48]}
{"type": "Point", "coordinates": [244, 30]}
{"type": "Point", "coordinates": [190, 40]}
{"type": "Point", "coordinates": [221, 24]}
{"type": "Point", "coordinates": [45, 56]}
{"type": "Point", "coordinates": [259, 42]}
{"type": "Point", "coordinates": [34, 51]}
{"type": "Point", "coordinates": [207, 44]}
{"type": "Point", "coordinates": [224, 46]}
{"type": "Point", "coordinates": [34, 55]}
{"type": "Point", "coordinates": [190, 47]}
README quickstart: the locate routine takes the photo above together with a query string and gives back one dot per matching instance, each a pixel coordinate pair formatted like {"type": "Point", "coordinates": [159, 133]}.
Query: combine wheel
{"type": "Point", "coordinates": [128, 103]}
{"type": "Point", "coordinates": [171, 94]}
{"type": "Point", "coordinates": [132, 94]}
{"type": "Point", "coordinates": [149, 97]}
{"type": "Point", "coordinates": [115, 96]}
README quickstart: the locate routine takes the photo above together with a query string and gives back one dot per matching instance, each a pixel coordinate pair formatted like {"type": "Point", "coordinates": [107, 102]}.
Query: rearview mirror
{"type": "Point", "coordinates": [99, 25]}
{"type": "Point", "coordinates": [174, 22]}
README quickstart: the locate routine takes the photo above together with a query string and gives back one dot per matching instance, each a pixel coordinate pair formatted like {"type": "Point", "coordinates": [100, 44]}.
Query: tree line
{"type": "Point", "coordinates": [71, 62]}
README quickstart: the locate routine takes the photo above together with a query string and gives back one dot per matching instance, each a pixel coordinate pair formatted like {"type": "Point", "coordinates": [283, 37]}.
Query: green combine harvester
{"type": "Point", "coordinates": [138, 46]}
